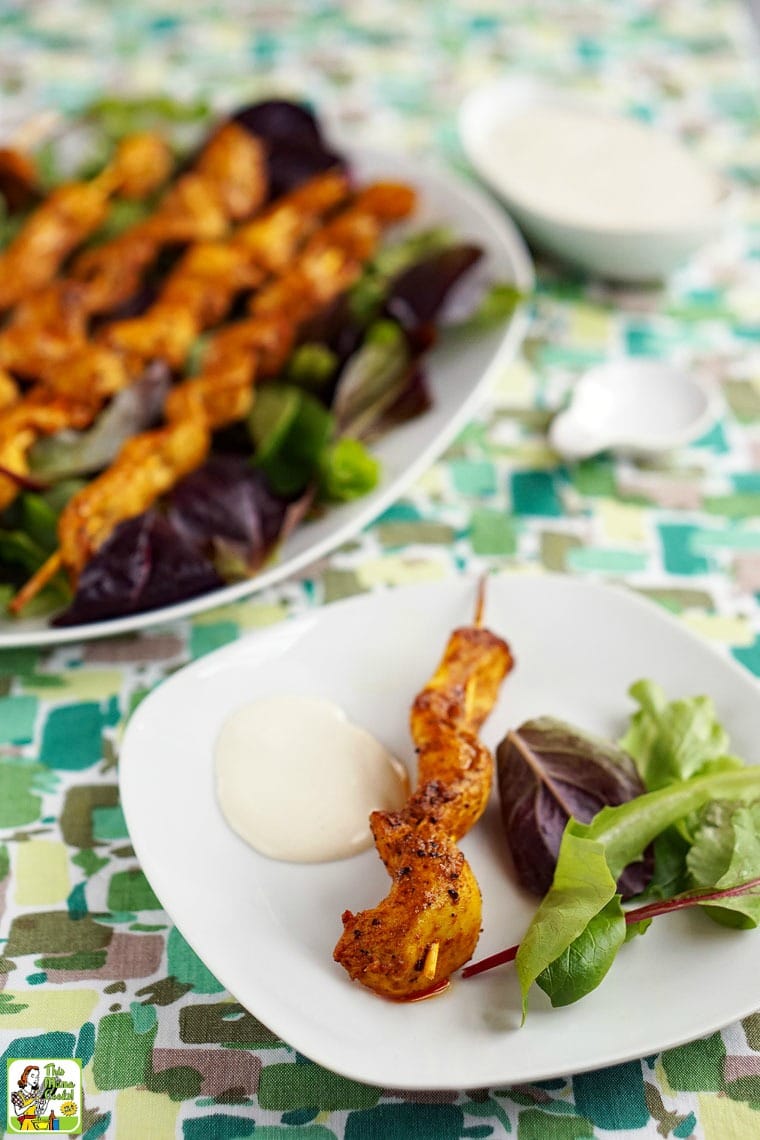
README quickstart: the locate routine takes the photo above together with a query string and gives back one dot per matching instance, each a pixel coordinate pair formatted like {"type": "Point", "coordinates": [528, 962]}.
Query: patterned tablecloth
{"type": "Point", "coordinates": [91, 965]}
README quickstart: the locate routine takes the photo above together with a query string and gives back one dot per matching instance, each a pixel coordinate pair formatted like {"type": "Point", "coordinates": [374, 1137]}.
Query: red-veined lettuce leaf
{"type": "Point", "coordinates": [143, 565]}
{"type": "Point", "coordinates": [228, 511]}
{"type": "Point", "coordinates": [549, 771]}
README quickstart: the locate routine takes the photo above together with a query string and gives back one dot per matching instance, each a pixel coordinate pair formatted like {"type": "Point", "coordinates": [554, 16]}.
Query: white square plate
{"type": "Point", "coordinates": [267, 929]}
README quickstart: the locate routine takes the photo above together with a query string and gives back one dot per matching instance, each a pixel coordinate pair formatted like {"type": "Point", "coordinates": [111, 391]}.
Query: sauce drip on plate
{"type": "Point", "coordinates": [297, 780]}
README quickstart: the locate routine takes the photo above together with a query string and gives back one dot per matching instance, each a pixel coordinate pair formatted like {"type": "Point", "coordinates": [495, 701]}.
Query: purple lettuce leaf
{"type": "Point", "coordinates": [144, 565]}
{"type": "Point", "coordinates": [418, 300]}
{"type": "Point", "coordinates": [335, 327]}
{"type": "Point", "coordinates": [549, 771]}
{"type": "Point", "coordinates": [220, 522]}
{"type": "Point", "coordinates": [417, 296]}
{"type": "Point", "coordinates": [227, 510]}
{"type": "Point", "coordinates": [280, 119]}
{"type": "Point", "coordinates": [413, 400]}
{"type": "Point", "coordinates": [296, 148]}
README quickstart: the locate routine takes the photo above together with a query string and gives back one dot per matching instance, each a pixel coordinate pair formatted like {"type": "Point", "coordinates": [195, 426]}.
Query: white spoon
{"type": "Point", "coordinates": [636, 405]}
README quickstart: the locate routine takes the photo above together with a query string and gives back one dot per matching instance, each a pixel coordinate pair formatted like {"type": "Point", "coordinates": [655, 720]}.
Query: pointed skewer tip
{"type": "Point", "coordinates": [480, 601]}
{"type": "Point", "coordinates": [40, 578]}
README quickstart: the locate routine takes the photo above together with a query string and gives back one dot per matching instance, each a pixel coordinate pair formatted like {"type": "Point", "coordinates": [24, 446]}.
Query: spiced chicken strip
{"type": "Point", "coordinates": [239, 355]}
{"type": "Point", "coordinates": [429, 923]}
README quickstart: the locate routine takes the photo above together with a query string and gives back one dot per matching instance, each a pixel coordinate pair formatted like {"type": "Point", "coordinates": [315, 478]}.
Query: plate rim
{"type": "Point", "coordinates": [358, 1071]}
{"type": "Point", "coordinates": [13, 636]}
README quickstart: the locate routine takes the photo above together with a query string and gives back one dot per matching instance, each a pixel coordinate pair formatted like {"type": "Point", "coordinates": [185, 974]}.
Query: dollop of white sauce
{"type": "Point", "coordinates": [600, 170]}
{"type": "Point", "coordinates": [297, 780]}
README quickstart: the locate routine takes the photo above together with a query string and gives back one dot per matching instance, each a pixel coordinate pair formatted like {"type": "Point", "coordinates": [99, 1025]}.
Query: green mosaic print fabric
{"type": "Point", "coordinates": [91, 965]}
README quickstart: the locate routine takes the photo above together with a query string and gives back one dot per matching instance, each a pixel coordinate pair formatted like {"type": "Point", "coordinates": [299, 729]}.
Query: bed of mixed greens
{"type": "Point", "coordinates": [357, 371]}
{"type": "Point", "coordinates": [664, 819]}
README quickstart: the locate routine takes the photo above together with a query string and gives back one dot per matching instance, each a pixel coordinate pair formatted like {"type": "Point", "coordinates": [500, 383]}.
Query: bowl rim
{"type": "Point", "coordinates": [535, 92]}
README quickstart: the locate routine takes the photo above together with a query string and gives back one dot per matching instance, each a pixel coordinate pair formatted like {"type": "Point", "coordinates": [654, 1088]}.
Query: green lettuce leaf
{"type": "Point", "coordinates": [671, 875]}
{"type": "Point", "coordinates": [585, 962]}
{"type": "Point", "coordinates": [726, 852]}
{"type": "Point", "coordinates": [591, 858]}
{"type": "Point", "coordinates": [28, 535]}
{"type": "Point", "coordinates": [347, 471]}
{"type": "Point", "coordinates": [675, 740]}
{"type": "Point", "coordinates": [583, 886]}
{"type": "Point", "coordinates": [290, 429]}
{"type": "Point", "coordinates": [372, 379]}
{"type": "Point", "coordinates": [498, 302]}
{"type": "Point", "coordinates": [312, 366]}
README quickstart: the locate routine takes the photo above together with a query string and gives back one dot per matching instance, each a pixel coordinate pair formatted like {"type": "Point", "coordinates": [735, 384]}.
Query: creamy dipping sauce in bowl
{"type": "Point", "coordinates": [603, 191]}
{"type": "Point", "coordinates": [297, 780]}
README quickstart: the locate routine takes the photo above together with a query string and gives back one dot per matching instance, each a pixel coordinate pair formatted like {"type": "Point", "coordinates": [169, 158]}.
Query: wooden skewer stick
{"type": "Point", "coordinates": [477, 623]}
{"type": "Point", "coordinates": [38, 580]}
{"type": "Point", "coordinates": [431, 960]}
{"type": "Point", "coordinates": [480, 601]}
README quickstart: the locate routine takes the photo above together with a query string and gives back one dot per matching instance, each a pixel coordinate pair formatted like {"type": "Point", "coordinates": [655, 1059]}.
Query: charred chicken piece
{"type": "Point", "coordinates": [74, 211]}
{"type": "Point", "coordinates": [19, 183]}
{"type": "Point", "coordinates": [429, 923]}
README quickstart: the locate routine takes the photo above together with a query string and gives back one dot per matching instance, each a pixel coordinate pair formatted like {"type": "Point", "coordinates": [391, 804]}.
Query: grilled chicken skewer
{"type": "Point", "coordinates": [429, 923]}
{"type": "Point", "coordinates": [73, 212]}
{"type": "Point", "coordinates": [46, 339]}
{"type": "Point", "coordinates": [153, 462]}
{"type": "Point", "coordinates": [199, 291]}
{"type": "Point", "coordinates": [227, 184]}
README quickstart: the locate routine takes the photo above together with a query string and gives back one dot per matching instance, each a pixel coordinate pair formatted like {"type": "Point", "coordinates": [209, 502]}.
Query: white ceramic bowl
{"type": "Point", "coordinates": [647, 252]}
{"type": "Point", "coordinates": [636, 405]}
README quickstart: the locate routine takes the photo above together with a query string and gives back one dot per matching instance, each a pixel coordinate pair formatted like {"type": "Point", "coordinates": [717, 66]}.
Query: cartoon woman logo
{"type": "Point", "coordinates": [30, 1102]}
